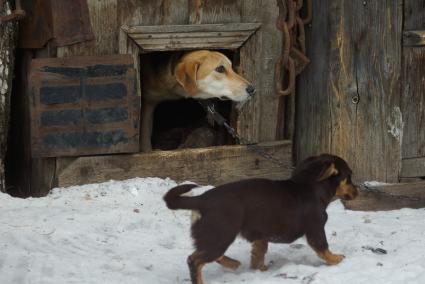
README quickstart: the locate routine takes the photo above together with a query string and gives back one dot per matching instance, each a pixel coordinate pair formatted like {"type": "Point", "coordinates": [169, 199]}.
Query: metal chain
{"type": "Point", "coordinates": [220, 120]}
{"type": "Point", "coordinates": [293, 56]}
{"type": "Point", "coordinates": [388, 194]}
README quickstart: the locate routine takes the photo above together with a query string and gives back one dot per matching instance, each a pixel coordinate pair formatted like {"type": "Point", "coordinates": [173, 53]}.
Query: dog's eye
{"type": "Point", "coordinates": [220, 69]}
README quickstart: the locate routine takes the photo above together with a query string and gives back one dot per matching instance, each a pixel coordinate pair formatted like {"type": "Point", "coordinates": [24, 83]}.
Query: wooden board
{"type": "Point", "coordinates": [213, 165]}
{"type": "Point", "coordinates": [413, 196]}
{"type": "Point", "coordinates": [189, 37]}
{"type": "Point", "coordinates": [348, 100]}
{"type": "Point", "coordinates": [413, 88]}
{"type": "Point", "coordinates": [414, 38]}
{"type": "Point", "coordinates": [413, 167]}
{"type": "Point", "coordinates": [83, 105]}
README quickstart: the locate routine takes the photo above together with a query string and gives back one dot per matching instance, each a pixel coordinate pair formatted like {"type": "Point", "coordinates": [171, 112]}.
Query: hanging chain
{"type": "Point", "coordinates": [293, 56]}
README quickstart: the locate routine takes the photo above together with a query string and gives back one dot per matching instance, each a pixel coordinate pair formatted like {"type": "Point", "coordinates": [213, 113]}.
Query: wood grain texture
{"type": "Point", "coordinates": [413, 87]}
{"type": "Point", "coordinates": [414, 102]}
{"type": "Point", "coordinates": [153, 12]}
{"type": "Point", "coordinates": [414, 15]}
{"type": "Point", "coordinates": [413, 167]}
{"type": "Point", "coordinates": [413, 150]}
{"type": "Point", "coordinates": [103, 17]}
{"type": "Point", "coordinates": [189, 37]}
{"type": "Point", "coordinates": [372, 201]}
{"type": "Point", "coordinates": [414, 38]}
{"type": "Point", "coordinates": [349, 100]}
{"type": "Point", "coordinates": [213, 165]}
{"type": "Point", "coordinates": [258, 121]}
{"type": "Point", "coordinates": [214, 11]}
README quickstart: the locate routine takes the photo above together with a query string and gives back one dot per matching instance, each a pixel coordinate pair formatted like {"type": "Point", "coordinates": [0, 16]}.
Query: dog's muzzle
{"type": "Point", "coordinates": [250, 90]}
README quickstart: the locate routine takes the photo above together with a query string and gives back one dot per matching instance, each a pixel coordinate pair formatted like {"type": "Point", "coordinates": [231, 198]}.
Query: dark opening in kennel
{"type": "Point", "coordinates": [183, 123]}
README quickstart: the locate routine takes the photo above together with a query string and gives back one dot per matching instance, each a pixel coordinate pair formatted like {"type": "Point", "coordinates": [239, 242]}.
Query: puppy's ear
{"type": "Point", "coordinates": [186, 76]}
{"type": "Point", "coordinates": [328, 172]}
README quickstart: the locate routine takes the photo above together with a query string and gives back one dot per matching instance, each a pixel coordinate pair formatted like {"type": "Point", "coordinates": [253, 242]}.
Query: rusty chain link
{"type": "Point", "coordinates": [293, 56]}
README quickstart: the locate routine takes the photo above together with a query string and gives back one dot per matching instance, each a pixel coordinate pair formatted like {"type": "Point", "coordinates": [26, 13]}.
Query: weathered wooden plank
{"type": "Point", "coordinates": [259, 118]}
{"type": "Point", "coordinates": [413, 96]}
{"type": "Point", "coordinates": [214, 11]}
{"type": "Point", "coordinates": [213, 165]}
{"type": "Point", "coordinates": [349, 99]}
{"type": "Point", "coordinates": [152, 12]}
{"type": "Point", "coordinates": [414, 38]}
{"type": "Point", "coordinates": [413, 196]}
{"type": "Point", "coordinates": [414, 15]}
{"type": "Point", "coordinates": [413, 167]}
{"type": "Point", "coordinates": [82, 126]}
{"type": "Point", "coordinates": [192, 28]}
{"type": "Point", "coordinates": [103, 17]}
{"type": "Point", "coordinates": [413, 102]}
{"type": "Point", "coordinates": [186, 37]}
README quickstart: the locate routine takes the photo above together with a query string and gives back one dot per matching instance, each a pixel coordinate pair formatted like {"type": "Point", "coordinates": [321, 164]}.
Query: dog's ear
{"type": "Point", "coordinates": [186, 76]}
{"type": "Point", "coordinates": [328, 172]}
{"type": "Point", "coordinates": [313, 169]}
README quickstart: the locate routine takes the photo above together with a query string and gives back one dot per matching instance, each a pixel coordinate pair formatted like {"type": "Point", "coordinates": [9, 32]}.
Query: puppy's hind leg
{"type": "Point", "coordinates": [258, 252]}
{"type": "Point", "coordinates": [195, 262]}
{"type": "Point", "coordinates": [228, 262]}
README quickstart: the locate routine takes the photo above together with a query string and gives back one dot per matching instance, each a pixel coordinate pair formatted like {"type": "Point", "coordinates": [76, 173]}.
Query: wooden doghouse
{"type": "Point", "coordinates": [362, 96]}
{"type": "Point", "coordinates": [244, 29]}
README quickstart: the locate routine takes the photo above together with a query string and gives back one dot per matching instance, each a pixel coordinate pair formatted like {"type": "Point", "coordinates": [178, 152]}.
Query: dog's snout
{"type": "Point", "coordinates": [250, 90]}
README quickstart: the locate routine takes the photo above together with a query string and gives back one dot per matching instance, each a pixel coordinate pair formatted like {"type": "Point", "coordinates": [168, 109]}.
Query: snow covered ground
{"type": "Point", "coordinates": [121, 232]}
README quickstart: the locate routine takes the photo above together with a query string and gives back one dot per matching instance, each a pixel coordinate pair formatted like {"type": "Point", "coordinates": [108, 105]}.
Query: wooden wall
{"type": "Point", "coordinates": [258, 121]}
{"type": "Point", "coordinates": [348, 100]}
{"type": "Point", "coordinates": [413, 94]}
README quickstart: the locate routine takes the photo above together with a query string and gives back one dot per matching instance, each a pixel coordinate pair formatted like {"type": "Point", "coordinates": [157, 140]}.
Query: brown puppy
{"type": "Point", "coordinates": [263, 211]}
{"type": "Point", "coordinates": [198, 74]}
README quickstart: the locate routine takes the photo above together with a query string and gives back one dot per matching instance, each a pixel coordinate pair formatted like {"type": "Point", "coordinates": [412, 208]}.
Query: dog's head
{"type": "Point", "coordinates": [327, 168]}
{"type": "Point", "coordinates": [207, 74]}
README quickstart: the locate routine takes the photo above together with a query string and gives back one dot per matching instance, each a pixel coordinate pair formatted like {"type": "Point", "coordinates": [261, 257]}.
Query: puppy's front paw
{"type": "Point", "coordinates": [329, 257]}
{"type": "Point", "coordinates": [334, 259]}
{"type": "Point", "coordinates": [259, 266]}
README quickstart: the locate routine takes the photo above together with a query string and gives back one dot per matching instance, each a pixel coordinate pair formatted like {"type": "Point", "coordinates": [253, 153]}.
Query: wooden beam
{"type": "Point", "coordinates": [414, 38]}
{"type": "Point", "coordinates": [213, 165]}
{"type": "Point", "coordinates": [414, 167]}
{"type": "Point", "coordinates": [411, 195]}
{"type": "Point", "coordinates": [186, 37]}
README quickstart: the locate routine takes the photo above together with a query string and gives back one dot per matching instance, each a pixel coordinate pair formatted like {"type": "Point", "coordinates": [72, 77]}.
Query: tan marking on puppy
{"type": "Point", "coordinates": [346, 190]}
{"type": "Point", "coordinates": [330, 171]}
{"type": "Point", "coordinates": [228, 262]}
{"type": "Point", "coordinates": [329, 257]}
{"type": "Point", "coordinates": [258, 252]}
{"type": "Point", "coordinates": [195, 216]}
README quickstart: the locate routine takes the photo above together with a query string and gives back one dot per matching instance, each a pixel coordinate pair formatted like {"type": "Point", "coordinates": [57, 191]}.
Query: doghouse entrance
{"type": "Point", "coordinates": [183, 123]}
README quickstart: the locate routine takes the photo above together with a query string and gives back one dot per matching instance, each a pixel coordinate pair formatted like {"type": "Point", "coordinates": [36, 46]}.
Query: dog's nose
{"type": "Point", "coordinates": [250, 90]}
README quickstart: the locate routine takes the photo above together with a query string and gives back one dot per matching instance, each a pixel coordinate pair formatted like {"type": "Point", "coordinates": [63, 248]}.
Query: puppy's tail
{"type": "Point", "coordinates": [174, 200]}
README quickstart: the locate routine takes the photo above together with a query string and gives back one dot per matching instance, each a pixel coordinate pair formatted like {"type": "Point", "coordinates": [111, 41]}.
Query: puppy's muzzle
{"type": "Point", "coordinates": [351, 193]}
